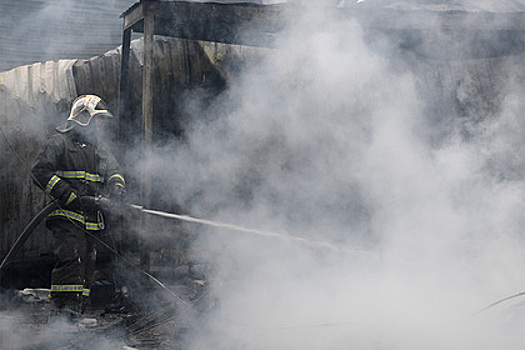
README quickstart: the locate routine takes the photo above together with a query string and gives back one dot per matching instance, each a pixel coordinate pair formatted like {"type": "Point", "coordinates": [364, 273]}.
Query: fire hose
{"type": "Point", "coordinates": [105, 203]}
{"type": "Point", "coordinates": [25, 235]}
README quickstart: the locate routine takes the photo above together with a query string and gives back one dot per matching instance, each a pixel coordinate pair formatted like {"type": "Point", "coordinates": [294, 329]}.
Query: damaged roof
{"type": "Point", "coordinates": [502, 6]}
{"type": "Point", "coordinates": [484, 15]}
{"type": "Point", "coordinates": [43, 30]}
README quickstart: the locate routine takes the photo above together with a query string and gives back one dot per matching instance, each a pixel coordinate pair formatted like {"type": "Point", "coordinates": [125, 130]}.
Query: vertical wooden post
{"type": "Point", "coordinates": [123, 92]}
{"type": "Point", "coordinates": [123, 122]}
{"type": "Point", "coordinates": [148, 80]}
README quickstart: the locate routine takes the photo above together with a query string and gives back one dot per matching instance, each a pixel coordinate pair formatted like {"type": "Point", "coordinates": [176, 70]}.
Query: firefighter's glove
{"type": "Point", "coordinates": [90, 203]}
{"type": "Point", "coordinates": [116, 196]}
{"type": "Point", "coordinates": [117, 193]}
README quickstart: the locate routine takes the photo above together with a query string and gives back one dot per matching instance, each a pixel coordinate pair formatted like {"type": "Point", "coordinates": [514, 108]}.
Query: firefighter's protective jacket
{"type": "Point", "coordinates": [69, 167]}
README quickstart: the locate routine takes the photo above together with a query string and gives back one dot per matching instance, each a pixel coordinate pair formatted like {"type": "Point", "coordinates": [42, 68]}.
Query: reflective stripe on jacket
{"type": "Point", "coordinates": [70, 288]}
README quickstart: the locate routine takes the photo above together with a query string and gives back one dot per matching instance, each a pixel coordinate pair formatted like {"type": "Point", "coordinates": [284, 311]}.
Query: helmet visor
{"type": "Point", "coordinates": [101, 110]}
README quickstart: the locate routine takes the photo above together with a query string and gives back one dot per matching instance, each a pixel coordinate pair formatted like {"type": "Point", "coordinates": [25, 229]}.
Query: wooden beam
{"type": "Point", "coordinates": [135, 15]}
{"type": "Point", "coordinates": [242, 24]}
{"type": "Point", "coordinates": [124, 88]}
{"type": "Point", "coordinates": [148, 79]}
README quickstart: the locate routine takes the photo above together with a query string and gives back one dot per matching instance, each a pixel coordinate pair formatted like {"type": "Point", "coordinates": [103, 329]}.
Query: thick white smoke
{"type": "Point", "coordinates": [328, 140]}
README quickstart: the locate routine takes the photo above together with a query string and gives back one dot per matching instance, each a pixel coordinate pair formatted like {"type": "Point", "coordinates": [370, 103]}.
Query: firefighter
{"type": "Point", "coordinates": [75, 163]}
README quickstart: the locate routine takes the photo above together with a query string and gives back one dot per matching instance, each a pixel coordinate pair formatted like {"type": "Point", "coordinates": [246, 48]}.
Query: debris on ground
{"type": "Point", "coordinates": [157, 320]}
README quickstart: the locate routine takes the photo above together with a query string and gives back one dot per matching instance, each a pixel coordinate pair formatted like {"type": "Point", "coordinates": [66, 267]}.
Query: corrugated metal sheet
{"type": "Point", "coordinates": [32, 99]}
{"type": "Point", "coordinates": [501, 6]}
{"type": "Point", "coordinates": [38, 31]}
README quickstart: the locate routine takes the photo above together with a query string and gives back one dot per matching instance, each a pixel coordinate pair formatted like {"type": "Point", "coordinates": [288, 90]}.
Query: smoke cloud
{"type": "Point", "coordinates": [330, 140]}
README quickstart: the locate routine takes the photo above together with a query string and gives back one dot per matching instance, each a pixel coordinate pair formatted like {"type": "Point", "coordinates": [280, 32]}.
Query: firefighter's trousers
{"type": "Point", "coordinates": [75, 263]}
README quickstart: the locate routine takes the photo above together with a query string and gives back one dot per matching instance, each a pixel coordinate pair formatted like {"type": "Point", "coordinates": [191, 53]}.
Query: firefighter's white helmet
{"type": "Point", "coordinates": [83, 110]}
